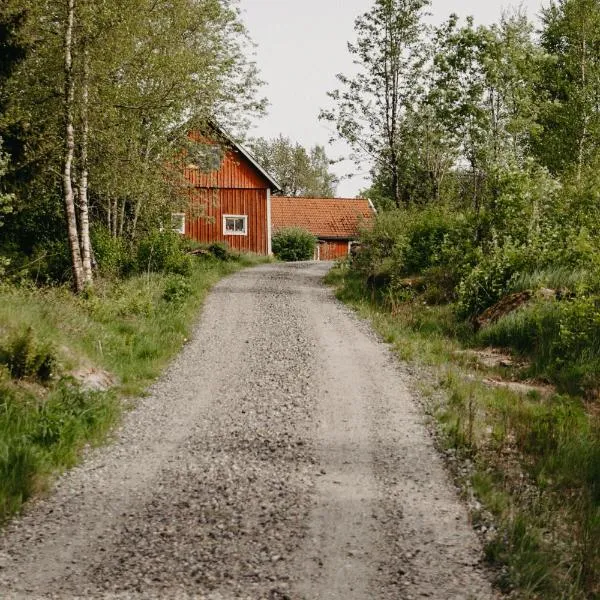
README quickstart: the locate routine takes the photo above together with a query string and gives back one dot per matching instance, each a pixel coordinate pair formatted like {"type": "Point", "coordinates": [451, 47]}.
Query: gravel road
{"type": "Point", "coordinates": [281, 456]}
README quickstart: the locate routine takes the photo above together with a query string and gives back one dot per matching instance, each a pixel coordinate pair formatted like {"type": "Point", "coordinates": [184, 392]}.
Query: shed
{"type": "Point", "coordinates": [232, 202]}
{"type": "Point", "coordinates": [335, 222]}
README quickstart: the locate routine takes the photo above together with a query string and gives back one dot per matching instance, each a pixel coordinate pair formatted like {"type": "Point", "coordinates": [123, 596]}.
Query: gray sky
{"type": "Point", "coordinates": [301, 45]}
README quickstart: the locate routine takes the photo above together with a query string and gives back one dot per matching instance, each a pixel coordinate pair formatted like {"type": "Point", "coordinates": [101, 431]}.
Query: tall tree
{"type": "Point", "coordinates": [570, 115]}
{"type": "Point", "coordinates": [298, 171]}
{"type": "Point", "coordinates": [134, 75]}
{"type": "Point", "coordinates": [370, 108]}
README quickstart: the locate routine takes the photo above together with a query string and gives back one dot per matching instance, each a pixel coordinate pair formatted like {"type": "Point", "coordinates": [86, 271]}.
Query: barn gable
{"type": "Point", "coordinates": [231, 203]}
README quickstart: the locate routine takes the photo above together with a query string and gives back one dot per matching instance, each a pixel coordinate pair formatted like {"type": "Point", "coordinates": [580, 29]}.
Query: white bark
{"type": "Point", "coordinates": [86, 246]}
{"type": "Point", "coordinates": [69, 196]}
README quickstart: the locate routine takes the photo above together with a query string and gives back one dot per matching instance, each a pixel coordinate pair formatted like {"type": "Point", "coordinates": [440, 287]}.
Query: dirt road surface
{"type": "Point", "coordinates": [281, 456]}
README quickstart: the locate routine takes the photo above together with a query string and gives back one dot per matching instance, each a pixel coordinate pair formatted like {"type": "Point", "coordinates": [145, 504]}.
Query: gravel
{"type": "Point", "coordinates": [280, 457]}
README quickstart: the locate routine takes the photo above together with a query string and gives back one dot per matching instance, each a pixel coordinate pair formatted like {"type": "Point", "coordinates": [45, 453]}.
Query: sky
{"type": "Point", "coordinates": [301, 46]}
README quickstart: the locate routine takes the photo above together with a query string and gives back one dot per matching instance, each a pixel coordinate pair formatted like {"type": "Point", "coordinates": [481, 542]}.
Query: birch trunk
{"type": "Point", "coordinates": [69, 196]}
{"type": "Point", "coordinates": [84, 224]}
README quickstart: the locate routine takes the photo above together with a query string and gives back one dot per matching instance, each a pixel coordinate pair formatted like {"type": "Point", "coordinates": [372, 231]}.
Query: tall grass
{"type": "Point", "coordinates": [130, 328]}
{"type": "Point", "coordinates": [535, 461]}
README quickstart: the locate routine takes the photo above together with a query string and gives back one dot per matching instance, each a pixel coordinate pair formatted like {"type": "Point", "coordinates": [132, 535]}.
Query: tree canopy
{"type": "Point", "coordinates": [299, 172]}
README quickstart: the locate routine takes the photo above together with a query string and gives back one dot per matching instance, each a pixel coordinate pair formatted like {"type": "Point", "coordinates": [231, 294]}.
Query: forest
{"type": "Point", "coordinates": [483, 146]}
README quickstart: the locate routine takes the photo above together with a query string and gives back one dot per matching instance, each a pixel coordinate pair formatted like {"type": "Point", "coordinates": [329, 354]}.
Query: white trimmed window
{"type": "Point", "coordinates": [235, 224]}
{"type": "Point", "coordinates": [178, 222]}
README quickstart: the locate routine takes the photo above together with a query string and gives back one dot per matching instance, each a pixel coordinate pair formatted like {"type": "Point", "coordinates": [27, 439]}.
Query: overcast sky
{"type": "Point", "coordinates": [301, 45]}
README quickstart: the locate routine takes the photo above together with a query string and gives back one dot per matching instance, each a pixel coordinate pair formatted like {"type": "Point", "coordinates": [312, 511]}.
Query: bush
{"type": "Point", "coordinates": [491, 278]}
{"type": "Point", "coordinates": [294, 244]}
{"type": "Point", "coordinates": [24, 356]}
{"type": "Point", "coordinates": [113, 257]}
{"type": "Point", "coordinates": [177, 290]}
{"type": "Point", "coordinates": [220, 250]}
{"type": "Point", "coordinates": [163, 252]}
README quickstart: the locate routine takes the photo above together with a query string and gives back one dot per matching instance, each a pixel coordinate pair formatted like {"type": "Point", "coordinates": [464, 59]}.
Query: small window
{"type": "Point", "coordinates": [178, 222]}
{"type": "Point", "coordinates": [235, 224]}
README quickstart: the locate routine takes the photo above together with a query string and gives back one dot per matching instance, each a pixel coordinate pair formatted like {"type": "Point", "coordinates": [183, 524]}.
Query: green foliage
{"type": "Point", "coordinates": [163, 252]}
{"type": "Point", "coordinates": [490, 279]}
{"type": "Point", "coordinates": [39, 437]}
{"type": "Point", "coordinates": [177, 290]}
{"type": "Point", "coordinates": [294, 244]}
{"type": "Point", "coordinates": [24, 356]}
{"type": "Point", "coordinates": [220, 250]}
{"type": "Point", "coordinates": [299, 172]}
{"type": "Point", "coordinates": [112, 253]}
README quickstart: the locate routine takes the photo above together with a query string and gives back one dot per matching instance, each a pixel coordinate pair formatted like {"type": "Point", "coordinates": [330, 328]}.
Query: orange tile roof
{"type": "Point", "coordinates": [324, 217]}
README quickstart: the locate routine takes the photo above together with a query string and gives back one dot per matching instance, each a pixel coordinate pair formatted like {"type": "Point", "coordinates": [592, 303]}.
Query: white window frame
{"type": "Point", "coordinates": [181, 228]}
{"type": "Point", "coordinates": [244, 217]}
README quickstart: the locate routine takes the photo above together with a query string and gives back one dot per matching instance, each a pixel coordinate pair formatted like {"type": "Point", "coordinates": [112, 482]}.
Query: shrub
{"type": "Point", "coordinates": [177, 290]}
{"type": "Point", "coordinates": [220, 250]}
{"type": "Point", "coordinates": [491, 278]}
{"type": "Point", "coordinates": [112, 255]}
{"type": "Point", "coordinates": [294, 244]}
{"type": "Point", "coordinates": [163, 252]}
{"type": "Point", "coordinates": [24, 356]}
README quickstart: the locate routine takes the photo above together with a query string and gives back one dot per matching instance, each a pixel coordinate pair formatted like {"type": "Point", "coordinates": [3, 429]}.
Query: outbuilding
{"type": "Point", "coordinates": [335, 222]}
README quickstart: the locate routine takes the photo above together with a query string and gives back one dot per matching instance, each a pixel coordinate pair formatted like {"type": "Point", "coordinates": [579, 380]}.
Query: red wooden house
{"type": "Point", "coordinates": [234, 203]}
{"type": "Point", "coordinates": [335, 222]}
{"type": "Point", "coordinates": [231, 203]}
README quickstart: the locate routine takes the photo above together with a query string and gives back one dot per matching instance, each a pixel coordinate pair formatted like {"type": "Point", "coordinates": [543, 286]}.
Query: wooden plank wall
{"type": "Point", "coordinates": [332, 249]}
{"type": "Point", "coordinates": [235, 172]}
{"type": "Point", "coordinates": [204, 221]}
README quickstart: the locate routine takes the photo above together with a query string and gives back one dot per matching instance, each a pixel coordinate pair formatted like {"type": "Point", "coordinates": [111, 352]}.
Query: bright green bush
{"type": "Point", "coordinates": [177, 290]}
{"type": "Point", "coordinates": [25, 356]}
{"type": "Point", "coordinates": [163, 252]}
{"type": "Point", "coordinates": [491, 278]}
{"type": "Point", "coordinates": [112, 254]}
{"type": "Point", "coordinates": [294, 244]}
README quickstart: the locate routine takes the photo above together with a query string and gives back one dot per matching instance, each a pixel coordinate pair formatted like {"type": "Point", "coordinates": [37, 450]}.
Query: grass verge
{"type": "Point", "coordinates": [530, 464]}
{"type": "Point", "coordinates": [129, 328]}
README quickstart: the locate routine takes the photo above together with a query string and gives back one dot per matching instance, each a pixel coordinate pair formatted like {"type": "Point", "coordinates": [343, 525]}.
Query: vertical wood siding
{"type": "Point", "coordinates": [235, 172]}
{"type": "Point", "coordinates": [332, 249]}
{"type": "Point", "coordinates": [204, 222]}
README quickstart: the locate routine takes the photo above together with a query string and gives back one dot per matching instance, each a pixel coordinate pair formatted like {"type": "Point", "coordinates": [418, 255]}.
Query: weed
{"type": "Point", "coordinates": [535, 460]}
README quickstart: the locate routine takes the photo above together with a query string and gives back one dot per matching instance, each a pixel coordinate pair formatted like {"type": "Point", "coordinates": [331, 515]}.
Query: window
{"type": "Point", "coordinates": [235, 225]}
{"type": "Point", "coordinates": [178, 222]}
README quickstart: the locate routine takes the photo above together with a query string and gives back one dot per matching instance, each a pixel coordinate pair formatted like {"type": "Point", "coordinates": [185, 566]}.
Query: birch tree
{"type": "Point", "coordinates": [370, 107]}
{"type": "Point", "coordinates": [570, 115]}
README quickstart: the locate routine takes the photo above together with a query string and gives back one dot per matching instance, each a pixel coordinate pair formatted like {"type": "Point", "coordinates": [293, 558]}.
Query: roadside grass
{"type": "Point", "coordinates": [130, 328]}
{"type": "Point", "coordinates": [533, 462]}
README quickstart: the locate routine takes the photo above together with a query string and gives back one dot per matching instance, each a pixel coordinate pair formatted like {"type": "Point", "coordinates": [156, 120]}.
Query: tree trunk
{"type": "Point", "coordinates": [84, 223]}
{"type": "Point", "coordinates": [122, 223]}
{"type": "Point", "coordinates": [69, 196]}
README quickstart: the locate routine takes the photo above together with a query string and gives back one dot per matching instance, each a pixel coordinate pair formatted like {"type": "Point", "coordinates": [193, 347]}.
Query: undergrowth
{"type": "Point", "coordinates": [535, 459]}
{"type": "Point", "coordinates": [129, 327]}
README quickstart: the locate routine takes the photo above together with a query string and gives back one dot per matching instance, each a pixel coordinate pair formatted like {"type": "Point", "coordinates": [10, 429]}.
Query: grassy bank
{"type": "Point", "coordinates": [125, 330]}
{"type": "Point", "coordinates": [529, 461]}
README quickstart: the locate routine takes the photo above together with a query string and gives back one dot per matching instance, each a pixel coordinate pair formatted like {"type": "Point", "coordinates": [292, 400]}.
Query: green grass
{"type": "Point", "coordinates": [131, 328]}
{"type": "Point", "coordinates": [535, 460]}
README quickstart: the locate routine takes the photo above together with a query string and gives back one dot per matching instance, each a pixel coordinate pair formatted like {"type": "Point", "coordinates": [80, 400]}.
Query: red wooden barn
{"type": "Point", "coordinates": [231, 203]}
{"type": "Point", "coordinates": [234, 203]}
{"type": "Point", "coordinates": [335, 222]}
